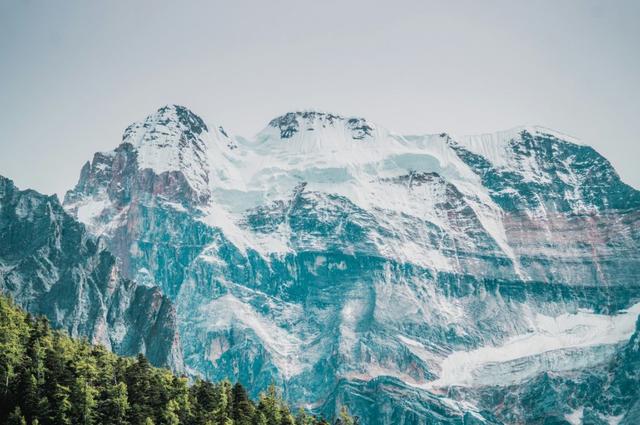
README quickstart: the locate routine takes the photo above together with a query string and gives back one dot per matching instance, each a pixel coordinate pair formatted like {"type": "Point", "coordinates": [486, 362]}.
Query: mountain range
{"type": "Point", "coordinates": [418, 279]}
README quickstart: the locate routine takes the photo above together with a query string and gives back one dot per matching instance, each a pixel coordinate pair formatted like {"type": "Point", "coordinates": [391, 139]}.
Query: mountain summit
{"type": "Point", "coordinates": [298, 122]}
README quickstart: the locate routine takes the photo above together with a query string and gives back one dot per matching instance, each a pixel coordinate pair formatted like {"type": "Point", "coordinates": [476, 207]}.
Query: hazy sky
{"type": "Point", "coordinates": [73, 74]}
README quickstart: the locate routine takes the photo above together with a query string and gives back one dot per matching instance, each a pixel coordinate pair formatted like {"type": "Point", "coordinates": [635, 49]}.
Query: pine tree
{"type": "Point", "coordinates": [83, 397]}
{"type": "Point", "coordinates": [286, 416]}
{"type": "Point", "coordinates": [180, 395]}
{"type": "Point", "coordinates": [269, 405]}
{"type": "Point", "coordinates": [60, 406]}
{"type": "Point", "coordinates": [260, 419]}
{"type": "Point", "coordinates": [206, 399]}
{"type": "Point", "coordinates": [170, 414]}
{"type": "Point", "coordinates": [32, 374]}
{"type": "Point", "coordinates": [113, 405]}
{"type": "Point", "coordinates": [28, 393]}
{"type": "Point", "coordinates": [243, 408]}
{"type": "Point", "coordinates": [226, 392]}
{"type": "Point", "coordinates": [139, 390]}
{"type": "Point", "coordinates": [222, 413]}
{"type": "Point", "coordinates": [83, 391]}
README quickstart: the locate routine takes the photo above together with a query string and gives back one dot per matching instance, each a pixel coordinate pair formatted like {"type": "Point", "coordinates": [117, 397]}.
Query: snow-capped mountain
{"type": "Point", "coordinates": [419, 279]}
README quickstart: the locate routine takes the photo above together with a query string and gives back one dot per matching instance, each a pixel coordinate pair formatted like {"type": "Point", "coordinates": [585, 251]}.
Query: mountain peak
{"type": "Point", "coordinates": [175, 139]}
{"type": "Point", "coordinates": [173, 118]}
{"type": "Point", "coordinates": [185, 117]}
{"type": "Point", "coordinates": [311, 120]}
{"type": "Point", "coordinates": [309, 115]}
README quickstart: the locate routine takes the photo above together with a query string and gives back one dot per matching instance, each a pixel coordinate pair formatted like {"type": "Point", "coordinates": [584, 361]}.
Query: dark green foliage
{"type": "Point", "coordinates": [243, 409]}
{"type": "Point", "coordinates": [47, 378]}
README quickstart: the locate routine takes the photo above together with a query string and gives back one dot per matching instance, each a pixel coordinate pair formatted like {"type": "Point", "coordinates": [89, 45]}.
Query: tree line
{"type": "Point", "coordinates": [48, 378]}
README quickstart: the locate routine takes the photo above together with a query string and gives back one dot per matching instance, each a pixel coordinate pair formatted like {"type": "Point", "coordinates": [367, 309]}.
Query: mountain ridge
{"type": "Point", "coordinates": [50, 265]}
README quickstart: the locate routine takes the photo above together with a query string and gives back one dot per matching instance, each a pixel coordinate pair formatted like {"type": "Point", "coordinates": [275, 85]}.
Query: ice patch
{"type": "Point", "coordinates": [566, 331]}
{"type": "Point", "coordinates": [176, 206]}
{"type": "Point", "coordinates": [217, 348]}
{"type": "Point", "coordinates": [613, 420]}
{"type": "Point", "coordinates": [575, 417]}
{"type": "Point", "coordinates": [88, 211]}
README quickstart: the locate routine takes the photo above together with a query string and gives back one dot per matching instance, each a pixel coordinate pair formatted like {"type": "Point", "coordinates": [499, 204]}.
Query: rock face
{"type": "Point", "coordinates": [50, 265]}
{"type": "Point", "coordinates": [420, 279]}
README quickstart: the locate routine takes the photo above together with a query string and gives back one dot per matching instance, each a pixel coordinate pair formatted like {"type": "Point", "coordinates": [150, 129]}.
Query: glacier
{"type": "Point", "coordinates": [416, 278]}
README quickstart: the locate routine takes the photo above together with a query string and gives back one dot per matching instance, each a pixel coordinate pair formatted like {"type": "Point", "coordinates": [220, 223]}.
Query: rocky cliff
{"type": "Point", "coordinates": [50, 265]}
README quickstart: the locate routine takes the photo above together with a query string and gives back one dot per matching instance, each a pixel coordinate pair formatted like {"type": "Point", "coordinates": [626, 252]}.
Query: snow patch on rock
{"type": "Point", "coordinates": [581, 330]}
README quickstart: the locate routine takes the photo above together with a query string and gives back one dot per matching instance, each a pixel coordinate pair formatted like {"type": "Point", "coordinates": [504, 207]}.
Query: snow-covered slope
{"type": "Point", "coordinates": [342, 259]}
{"type": "Point", "coordinates": [175, 139]}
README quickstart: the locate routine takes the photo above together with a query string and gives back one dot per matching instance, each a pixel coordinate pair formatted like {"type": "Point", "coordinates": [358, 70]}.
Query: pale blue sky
{"type": "Point", "coordinates": [74, 74]}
